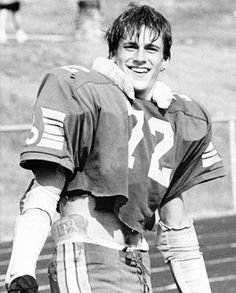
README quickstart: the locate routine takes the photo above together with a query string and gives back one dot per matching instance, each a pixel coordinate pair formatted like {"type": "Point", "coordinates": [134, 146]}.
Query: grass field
{"type": "Point", "coordinates": [203, 66]}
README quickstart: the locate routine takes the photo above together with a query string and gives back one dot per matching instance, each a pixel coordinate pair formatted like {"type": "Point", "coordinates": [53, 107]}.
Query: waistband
{"type": "Point", "coordinates": [73, 228]}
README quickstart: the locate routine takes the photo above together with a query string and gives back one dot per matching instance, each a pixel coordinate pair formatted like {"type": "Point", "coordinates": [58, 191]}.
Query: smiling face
{"type": "Point", "coordinates": [140, 56]}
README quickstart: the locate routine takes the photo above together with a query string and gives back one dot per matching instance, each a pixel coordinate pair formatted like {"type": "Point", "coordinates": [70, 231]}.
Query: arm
{"type": "Point", "coordinates": [56, 128]}
{"type": "Point", "coordinates": [34, 223]}
{"type": "Point", "coordinates": [178, 243]}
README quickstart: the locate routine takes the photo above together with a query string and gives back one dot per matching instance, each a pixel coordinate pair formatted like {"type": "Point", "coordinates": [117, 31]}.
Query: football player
{"type": "Point", "coordinates": [87, 20]}
{"type": "Point", "coordinates": [108, 148]}
{"type": "Point", "coordinates": [11, 8]}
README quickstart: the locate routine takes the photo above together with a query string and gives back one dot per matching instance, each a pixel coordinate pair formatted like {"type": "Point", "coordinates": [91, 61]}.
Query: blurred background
{"type": "Point", "coordinates": [203, 66]}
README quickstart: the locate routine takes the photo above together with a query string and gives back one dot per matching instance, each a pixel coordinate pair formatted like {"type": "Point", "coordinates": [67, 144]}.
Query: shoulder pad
{"type": "Point", "coordinates": [192, 118]}
{"type": "Point", "coordinates": [70, 73]}
{"type": "Point", "coordinates": [188, 106]}
{"type": "Point", "coordinates": [77, 76]}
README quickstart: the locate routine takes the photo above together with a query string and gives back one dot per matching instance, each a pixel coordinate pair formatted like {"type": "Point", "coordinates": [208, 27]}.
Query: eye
{"type": "Point", "coordinates": [152, 49]}
{"type": "Point", "coordinates": [130, 46]}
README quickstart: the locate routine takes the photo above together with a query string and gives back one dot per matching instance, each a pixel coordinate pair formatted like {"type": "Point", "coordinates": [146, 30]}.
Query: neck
{"type": "Point", "coordinates": [143, 95]}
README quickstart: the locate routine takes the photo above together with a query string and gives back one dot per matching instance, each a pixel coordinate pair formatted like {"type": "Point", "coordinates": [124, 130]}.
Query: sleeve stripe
{"type": "Point", "coordinates": [52, 122]}
{"type": "Point", "coordinates": [210, 147]}
{"type": "Point", "coordinates": [49, 143]}
{"type": "Point", "coordinates": [53, 137]}
{"type": "Point", "coordinates": [54, 130]}
{"type": "Point", "coordinates": [207, 162]}
{"type": "Point", "coordinates": [209, 154]}
{"type": "Point", "coordinates": [52, 114]}
{"type": "Point", "coordinates": [53, 134]}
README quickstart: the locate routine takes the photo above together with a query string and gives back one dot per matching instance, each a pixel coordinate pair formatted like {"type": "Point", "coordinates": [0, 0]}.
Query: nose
{"type": "Point", "coordinates": [140, 57]}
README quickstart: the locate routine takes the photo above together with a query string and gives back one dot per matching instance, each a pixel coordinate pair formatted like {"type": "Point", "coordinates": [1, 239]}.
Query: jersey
{"type": "Point", "coordinates": [130, 150]}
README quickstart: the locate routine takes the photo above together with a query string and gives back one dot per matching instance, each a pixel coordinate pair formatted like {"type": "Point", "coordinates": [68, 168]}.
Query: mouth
{"type": "Point", "coordinates": [140, 71]}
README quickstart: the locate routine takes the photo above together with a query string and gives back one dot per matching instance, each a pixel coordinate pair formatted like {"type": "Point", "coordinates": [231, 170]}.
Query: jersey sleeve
{"type": "Point", "coordinates": [62, 127]}
{"type": "Point", "coordinates": [201, 163]}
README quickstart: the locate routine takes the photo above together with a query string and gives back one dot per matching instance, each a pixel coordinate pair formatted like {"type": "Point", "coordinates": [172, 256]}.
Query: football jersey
{"type": "Point", "coordinates": [113, 146]}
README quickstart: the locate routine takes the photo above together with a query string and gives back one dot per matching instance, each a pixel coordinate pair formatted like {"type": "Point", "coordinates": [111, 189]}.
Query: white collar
{"type": "Point", "coordinates": [115, 73]}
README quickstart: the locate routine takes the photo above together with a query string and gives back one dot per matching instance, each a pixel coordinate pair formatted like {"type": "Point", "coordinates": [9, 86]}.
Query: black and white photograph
{"type": "Point", "coordinates": [118, 146]}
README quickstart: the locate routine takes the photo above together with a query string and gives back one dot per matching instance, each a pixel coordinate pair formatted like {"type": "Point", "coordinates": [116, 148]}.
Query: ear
{"type": "Point", "coordinates": [164, 65]}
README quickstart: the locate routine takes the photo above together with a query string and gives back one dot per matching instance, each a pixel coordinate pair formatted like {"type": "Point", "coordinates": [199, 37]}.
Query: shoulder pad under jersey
{"type": "Point", "coordinates": [192, 118]}
{"type": "Point", "coordinates": [77, 76]}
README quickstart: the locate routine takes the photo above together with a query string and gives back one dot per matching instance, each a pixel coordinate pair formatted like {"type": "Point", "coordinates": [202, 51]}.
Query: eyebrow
{"type": "Point", "coordinates": [130, 42]}
{"type": "Point", "coordinates": [151, 45]}
{"type": "Point", "coordinates": [133, 43]}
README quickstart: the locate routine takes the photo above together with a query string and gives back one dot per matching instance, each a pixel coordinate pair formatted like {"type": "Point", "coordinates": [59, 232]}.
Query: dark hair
{"type": "Point", "coordinates": [130, 22]}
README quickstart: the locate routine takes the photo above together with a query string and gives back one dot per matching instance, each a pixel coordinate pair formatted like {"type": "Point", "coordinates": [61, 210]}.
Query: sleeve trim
{"type": "Point", "coordinates": [26, 160]}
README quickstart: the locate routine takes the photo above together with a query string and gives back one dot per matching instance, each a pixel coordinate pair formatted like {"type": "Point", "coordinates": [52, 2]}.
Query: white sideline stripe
{"type": "Point", "coordinates": [212, 280]}
{"type": "Point", "coordinates": [51, 245]}
{"type": "Point", "coordinates": [207, 262]}
{"type": "Point", "coordinates": [38, 272]}
{"type": "Point", "coordinates": [156, 289]}
{"type": "Point", "coordinates": [220, 260]}
{"type": "Point", "coordinates": [209, 247]}
{"type": "Point", "coordinates": [41, 288]}
{"type": "Point", "coordinates": [9, 249]}
{"type": "Point", "coordinates": [153, 242]}
{"type": "Point", "coordinates": [154, 270]}
{"type": "Point", "coordinates": [220, 246]}
{"type": "Point", "coordinates": [218, 235]}
{"type": "Point", "coordinates": [44, 37]}
{"type": "Point", "coordinates": [41, 257]}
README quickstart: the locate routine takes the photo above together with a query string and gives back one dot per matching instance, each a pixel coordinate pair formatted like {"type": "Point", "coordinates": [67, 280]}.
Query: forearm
{"type": "Point", "coordinates": [180, 249]}
{"type": "Point", "coordinates": [32, 226]}
{"type": "Point", "coordinates": [178, 243]}
{"type": "Point", "coordinates": [31, 231]}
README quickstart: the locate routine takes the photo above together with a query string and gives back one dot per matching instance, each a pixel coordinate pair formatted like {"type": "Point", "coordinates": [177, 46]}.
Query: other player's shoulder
{"type": "Point", "coordinates": [76, 76]}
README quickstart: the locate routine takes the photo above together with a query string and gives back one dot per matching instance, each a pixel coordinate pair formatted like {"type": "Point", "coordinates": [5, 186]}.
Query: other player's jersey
{"type": "Point", "coordinates": [113, 146]}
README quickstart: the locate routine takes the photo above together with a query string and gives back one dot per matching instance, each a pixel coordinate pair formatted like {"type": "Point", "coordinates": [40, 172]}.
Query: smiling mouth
{"type": "Point", "coordinates": [139, 70]}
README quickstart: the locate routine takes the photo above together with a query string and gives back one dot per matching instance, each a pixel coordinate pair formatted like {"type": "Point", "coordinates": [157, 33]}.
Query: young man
{"type": "Point", "coordinates": [13, 8]}
{"type": "Point", "coordinates": [109, 148]}
{"type": "Point", "coordinates": [88, 19]}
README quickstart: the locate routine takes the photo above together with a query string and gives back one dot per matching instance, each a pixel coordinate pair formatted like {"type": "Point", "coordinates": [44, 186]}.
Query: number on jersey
{"type": "Point", "coordinates": [160, 175]}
